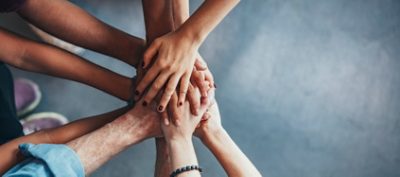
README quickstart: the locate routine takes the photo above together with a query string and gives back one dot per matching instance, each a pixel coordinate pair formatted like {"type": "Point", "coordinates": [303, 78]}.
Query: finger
{"type": "Point", "coordinates": [203, 87]}
{"type": "Point", "coordinates": [165, 119]}
{"type": "Point", "coordinates": [150, 53]}
{"type": "Point", "coordinates": [184, 84]}
{"type": "Point", "coordinates": [209, 78]}
{"type": "Point", "coordinates": [206, 87]}
{"type": "Point", "coordinates": [200, 64]}
{"type": "Point", "coordinates": [174, 109]}
{"type": "Point", "coordinates": [156, 87]}
{"type": "Point", "coordinates": [194, 100]}
{"type": "Point", "coordinates": [168, 91]}
{"type": "Point", "coordinates": [199, 79]}
{"type": "Point", "coordinates": [146, 81]}
{"type": "Point", "coordinates": [206, 116]}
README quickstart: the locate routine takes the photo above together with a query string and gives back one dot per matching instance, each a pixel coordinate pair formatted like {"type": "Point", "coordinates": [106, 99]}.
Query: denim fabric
{"type": "Point", "coordinates": [47, 160]}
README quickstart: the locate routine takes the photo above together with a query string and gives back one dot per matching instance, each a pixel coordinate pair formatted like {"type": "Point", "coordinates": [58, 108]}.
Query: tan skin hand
{"type": "Point", "coordinates": [174, 64]}
{"type": "Point", "coordinates": [187, 121]}
{"type": "Point", "coordinates": [203, 80]}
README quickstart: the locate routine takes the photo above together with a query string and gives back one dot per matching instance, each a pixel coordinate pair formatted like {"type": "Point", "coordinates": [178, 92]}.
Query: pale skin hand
{"type": "Point", "coordinates": [229, 155]}
{"type": "Point", "coordinates": [179, 138]}
{"type": "Point", "coordinates": [176, 53]}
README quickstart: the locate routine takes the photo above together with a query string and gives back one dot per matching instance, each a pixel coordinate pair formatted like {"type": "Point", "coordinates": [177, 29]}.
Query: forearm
{"type": "Point", "coordinates": [162, 166]}
{"type": "Point", "coordinates": [232, 159]}
{"type": "Point", "coordinates": [96, 148]}
{"type": "Point", "coordinates": [46, 59]}
{"type": "Point", "coordinates": [206, 18]}
{"type": "Point", "coordinates": [71, 23]}
{"type": "Point", "coordinates": [55, 62]}
{"type": "Point", "coordinates": [9, 151]}
{"type": "Point", "coordinates": [182, 154]}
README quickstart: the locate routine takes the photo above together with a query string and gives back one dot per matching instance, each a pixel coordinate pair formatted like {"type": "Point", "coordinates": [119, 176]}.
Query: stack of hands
{"type": "Point", "coordinates": [173, 91]}
{"type": "Point", "coordinates": [172, 115]}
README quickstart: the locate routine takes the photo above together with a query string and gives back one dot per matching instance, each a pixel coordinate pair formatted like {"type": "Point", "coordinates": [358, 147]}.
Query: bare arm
{"type": "Point", "coordinates": [46, 59]}
{"type": "Point", "coordinates": [218, 141]}
{"type": "Point", "coordinates": [71, 23]}
{"type": "Point", "coordinates": [162, 166]}
{"type": "Point", "coordinates": [131, 128]}
{"type": "Point", "coordinates": [179, 137]}
{"type": "Point", "coordinates": [9, 151]}
{"type": "Point", "coordinates": [206, 18]}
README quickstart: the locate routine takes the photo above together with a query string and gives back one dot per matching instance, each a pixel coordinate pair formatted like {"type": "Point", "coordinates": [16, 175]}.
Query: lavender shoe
{"type": "Point", "coordinates": [42, 121]}
{"type": "Point", "coordinates": [27, 96]}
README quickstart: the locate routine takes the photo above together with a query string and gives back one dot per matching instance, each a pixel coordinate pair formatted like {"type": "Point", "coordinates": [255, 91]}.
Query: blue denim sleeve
{"type": "Point", "coordinates": [47, 160]}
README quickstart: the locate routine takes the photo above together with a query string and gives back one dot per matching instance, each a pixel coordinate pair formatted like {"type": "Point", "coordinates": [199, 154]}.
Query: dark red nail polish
{"type": "Point", "coordinates": [144, 103]}
{"type": "Point", "coordinates": [143, 65]}
{"type": "Point", "coordinates": [137, 93]}
{"type": "Point", "coordinates": [180, 103]}
{"type": "Point", "coordinates": [160, 108]}
{"type": "Point", "coordinates": [215, 85]}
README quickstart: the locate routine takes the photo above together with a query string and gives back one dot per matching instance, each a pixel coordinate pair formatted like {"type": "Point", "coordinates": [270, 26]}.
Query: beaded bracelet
{"type": "Point", "coordinates": [185, 169]}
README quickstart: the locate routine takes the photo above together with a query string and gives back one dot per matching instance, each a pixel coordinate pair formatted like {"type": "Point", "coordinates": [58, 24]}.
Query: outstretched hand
{"type": "Point", "coordinates": [173, 65]}
{"type": "Point", "coordinates": [187, 123]}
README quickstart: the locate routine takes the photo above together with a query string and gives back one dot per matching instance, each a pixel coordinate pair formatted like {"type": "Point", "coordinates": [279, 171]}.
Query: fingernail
{"type": "Point", "coordinates": [166, 122]}
{"type": "Point", "coordinates": [144, 103]}
{"type": "Point", "coordinates": [180, 103]}
{"type": "Point", "coordinates": [215, 85]}
{"type": "Point", "coordinates": [143, 65]}
{"type": "Point", "coordinates": [137, 92]}
{"type": "Point", "coordinates": [160, 108]}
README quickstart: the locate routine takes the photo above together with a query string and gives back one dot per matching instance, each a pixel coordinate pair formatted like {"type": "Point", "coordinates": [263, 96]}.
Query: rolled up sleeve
{"type": "Point", "coordinates": [47, 160]}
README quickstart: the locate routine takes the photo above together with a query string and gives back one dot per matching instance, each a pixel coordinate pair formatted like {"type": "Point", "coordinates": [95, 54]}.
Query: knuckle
{"type": "Point", "coordinates": [162, 64]}
{"type": "Point", "coordinates": [169, 67]}
{"type": "Point", "coordinates": [157, 41]}
{"type": "Point", "coordinates": [156, 86]}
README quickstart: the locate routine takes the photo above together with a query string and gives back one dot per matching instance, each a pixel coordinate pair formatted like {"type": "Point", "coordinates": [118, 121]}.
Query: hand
{"type": "Point", "coordinates": [203, 79]}
{"type": "Point", "coordinates": [146, 119]}
{"type": "Point", "coordinates": [194, 100]}
{"type": "Point", "coordinates": [176, 55]}
{"type": "Point", "coordinates": [210, 123]}
{"type": "Point", "coordinates": [187, 123]}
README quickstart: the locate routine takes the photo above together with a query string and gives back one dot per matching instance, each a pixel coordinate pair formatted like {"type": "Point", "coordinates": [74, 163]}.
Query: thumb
{"type": "Point", "coordinates": [200, 64]}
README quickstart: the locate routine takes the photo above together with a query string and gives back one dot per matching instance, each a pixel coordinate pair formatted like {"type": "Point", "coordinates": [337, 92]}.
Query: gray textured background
{"type": "Point", "coordinates": [307, 88]}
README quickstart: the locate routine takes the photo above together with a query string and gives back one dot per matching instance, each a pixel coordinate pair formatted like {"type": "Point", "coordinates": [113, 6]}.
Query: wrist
{"type": "Point", "coordinates": [211, 136]}
{"type": "Point", "coordinates": [194, 38]}
{"type": "Point", "coordinates": [179, 141]}
{"type": "Point", "coordinates": [129, 129]}
{"type": "Point", "coordinates": [137, 48]}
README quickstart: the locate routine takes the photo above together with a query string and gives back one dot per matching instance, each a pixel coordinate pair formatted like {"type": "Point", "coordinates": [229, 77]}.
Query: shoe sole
{"type": "Point", "coordinates": [56, 42]}
{"type": "Point", "coordinates": [41, 115]}
{"type": "Point", "coordinates": [35, 103]}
